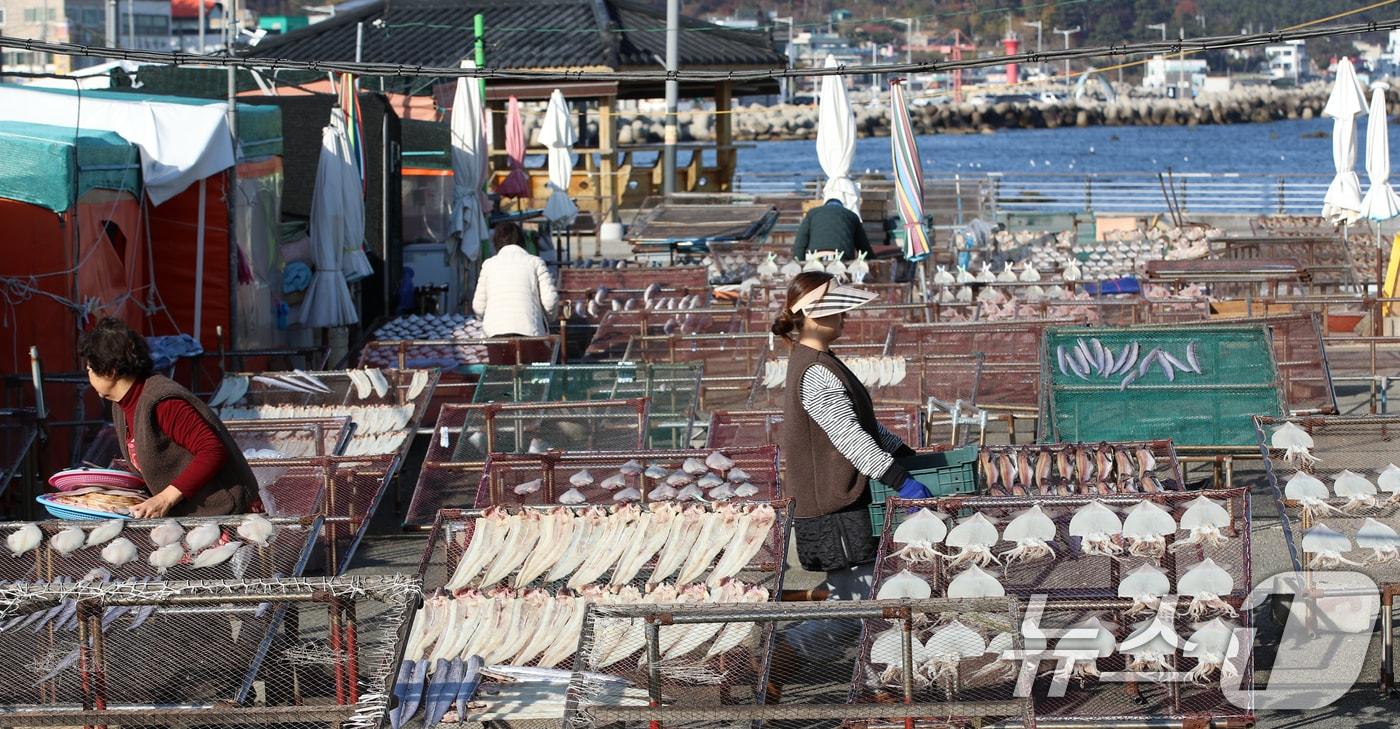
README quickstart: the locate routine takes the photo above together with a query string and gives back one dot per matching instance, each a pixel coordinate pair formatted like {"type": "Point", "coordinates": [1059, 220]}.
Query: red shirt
{"type": "Point", "coordinates": [183, 424]}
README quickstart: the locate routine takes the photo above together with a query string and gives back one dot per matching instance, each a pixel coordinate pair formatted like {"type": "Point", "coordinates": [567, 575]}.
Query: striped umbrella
{"type": "Point", "coordinates": [908, 176]}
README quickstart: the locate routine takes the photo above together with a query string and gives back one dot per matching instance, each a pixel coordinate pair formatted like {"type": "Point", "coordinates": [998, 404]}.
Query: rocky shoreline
{"type": "Point", "coordinates": [763, 123]}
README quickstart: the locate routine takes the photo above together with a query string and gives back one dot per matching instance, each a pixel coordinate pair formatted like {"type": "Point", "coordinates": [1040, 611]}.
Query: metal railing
{"type": "Point", "coordinates": [1118, 192]}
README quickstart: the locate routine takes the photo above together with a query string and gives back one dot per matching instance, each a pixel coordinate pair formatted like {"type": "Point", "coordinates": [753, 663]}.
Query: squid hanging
{"type": "Point", "coordinates": [947, 648]}
{"type": "Point", "coordinates": [1146, 528]}
{"type": "Point", "coordinates": [1311, 493]}
{"type": "Point", "coordinates": [1098, 529]}
{"type": "Point", "coordinates": [1383, 541]}
{"type": "Point", "coordinates": [974, 537]}
{"type": "Point", "coordinates": [888, 650]}
{"type": "Point", "coordinates": [1148, 648]}
{"type": "Point", "coordinates": [1389, 481]}
{"type": "Point", "coordinates": [1032, 531]}
{"type": "Point", "coordinates": [1356, 489]}
{"type": "Point", "coordinates": [1327, 545]}
{"type": "Point", "coordinates": [1083, 645]}
{"type": "Point", "coordinates": [904, 584]}
{"type": "Point", "coordinates": [1204, 522]}
{"type": "Point", "coordinates": [1204, 584]}
{"type": "Point", "coordinates": [1212, 645]}
{"type": "Point", "coordinates": [918, 535]}
{"type": "Point", "coordinates": [975, 582]}
{"type": "Point", "coordinates": [1145, 586]}
{"type": "Point", "coordinates": [1295, 443]}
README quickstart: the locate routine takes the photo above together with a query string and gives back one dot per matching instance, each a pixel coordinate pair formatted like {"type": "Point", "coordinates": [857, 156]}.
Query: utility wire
{"type": "Point", "coordinates": [1115, 50]}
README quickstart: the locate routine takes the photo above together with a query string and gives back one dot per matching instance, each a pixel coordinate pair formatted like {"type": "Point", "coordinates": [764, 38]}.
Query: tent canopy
{"type": "Point", "coordinates": [52, 166]}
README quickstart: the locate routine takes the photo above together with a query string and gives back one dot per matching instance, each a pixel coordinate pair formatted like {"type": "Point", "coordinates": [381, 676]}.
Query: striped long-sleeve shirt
{"type": "Point", "coordinates": [824, 398]}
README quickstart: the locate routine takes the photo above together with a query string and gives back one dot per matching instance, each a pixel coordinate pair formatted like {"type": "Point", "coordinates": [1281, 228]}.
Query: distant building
{"type": "Point", "coordinates": [1287, 61]}
{"type": "Point", "coordinates": [80, 21]}
{"type": "Point", "coordinates": [184, 24]}
{"type": "Point", "coordinates": [275, 24]}
{"type": "Point", "coordinates": [1175, 73]}
{"type": "Point", "coordinates": [734, 22]}
{"type": "Point", "coordinates": [1388, 64]}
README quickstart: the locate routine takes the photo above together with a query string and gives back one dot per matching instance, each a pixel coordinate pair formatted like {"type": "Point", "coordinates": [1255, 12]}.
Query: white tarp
{"type": "Point", "coordinates": [1380, 202]}
{"type": "Point", "coordinates": [557, 134]}
{"type": "Point", "coordinates": [1347, 101]}
{"type": "Point", "coordinates": [180, 143]}
{"type": "Point", "coordinates": [469, 167]}
{"type": "Point", "coordinates": [836, 140]}
{"type": "Point", "coordinates": [337, 215]}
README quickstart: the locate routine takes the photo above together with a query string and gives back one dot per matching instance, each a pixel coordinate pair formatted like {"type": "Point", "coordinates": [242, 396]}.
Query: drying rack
{"type": "Point", "coordinates": [465, 435]}
{"type": "Point", "coordinates": [506, 471]}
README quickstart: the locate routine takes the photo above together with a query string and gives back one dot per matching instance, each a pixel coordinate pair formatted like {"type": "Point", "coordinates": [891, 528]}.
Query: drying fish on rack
{"type": "Point", "coordinates": [581, 546]}
{"type": "Point", "coordinates": [919, 536]}
{"type": "Point", "coordinates": [1356, 489]}
{"type": "Point", "coordinates": [1213, 644]}
{"type": "Point", "coordinates": [1149, 649]}
{"type": "Point", "coordinates": [1091, 359]}
{"type": "Point", "coordinates": [974, 537]}
{"type": "Point", "coordinates": [1145, 586]}
{"type": "Point", "coordinates": [1081, 647]}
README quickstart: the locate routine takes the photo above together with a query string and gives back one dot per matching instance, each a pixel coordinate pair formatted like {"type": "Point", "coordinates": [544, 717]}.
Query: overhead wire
{"type": "Point", "coordinates": [1118, 49]}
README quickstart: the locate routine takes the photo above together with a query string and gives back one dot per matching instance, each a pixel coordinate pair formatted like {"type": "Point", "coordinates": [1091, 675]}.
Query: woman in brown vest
{"type": "Point", "coordinates": [833, 447]}
{"type": "Point", "coordinates": [181, 449]}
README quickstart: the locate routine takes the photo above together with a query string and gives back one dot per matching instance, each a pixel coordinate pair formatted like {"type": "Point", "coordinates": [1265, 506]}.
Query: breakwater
{"type": "Point", "coordinates": [1257, 104]}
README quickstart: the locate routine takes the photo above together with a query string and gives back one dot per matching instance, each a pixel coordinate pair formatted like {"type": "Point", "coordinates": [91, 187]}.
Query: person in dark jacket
{"type": "Point", "coordinates": [190, 463]}
{"type": "Point", "coordinates": [830, 227]}
{"type": "Point", "coordinates": [833, 448]}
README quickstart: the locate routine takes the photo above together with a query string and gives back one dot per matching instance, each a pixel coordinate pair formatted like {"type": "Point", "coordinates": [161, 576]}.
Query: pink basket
{"type": "Point", "coordinates": [76, 478]}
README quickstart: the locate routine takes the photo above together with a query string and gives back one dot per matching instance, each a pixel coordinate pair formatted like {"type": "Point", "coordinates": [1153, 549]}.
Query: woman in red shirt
{"type": "Point", "coordinates": [190, 463]}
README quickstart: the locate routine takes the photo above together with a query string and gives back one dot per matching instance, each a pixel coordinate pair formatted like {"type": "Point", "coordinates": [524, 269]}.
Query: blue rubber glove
{"type": "Point", "coordinates": [912, 489]}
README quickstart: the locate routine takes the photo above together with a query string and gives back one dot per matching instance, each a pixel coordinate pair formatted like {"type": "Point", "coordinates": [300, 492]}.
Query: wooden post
{"type": "Point", "coordinates": [726, 157]}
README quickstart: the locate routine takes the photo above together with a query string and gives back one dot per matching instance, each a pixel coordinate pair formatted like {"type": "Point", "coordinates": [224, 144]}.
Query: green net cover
{"type": "Point", "coordinates": [674, 390]}
{"type": "Point", "coordinates": [52, 166]}
{"type": "Point", "coordinates": [1238, 380]}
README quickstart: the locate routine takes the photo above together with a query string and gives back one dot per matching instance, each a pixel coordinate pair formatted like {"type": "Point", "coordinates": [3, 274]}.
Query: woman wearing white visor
{"type": "Point", "coordinates": [833, 447]}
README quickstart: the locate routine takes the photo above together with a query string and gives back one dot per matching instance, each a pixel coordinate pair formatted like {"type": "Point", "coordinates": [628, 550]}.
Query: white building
{"type": "Point", "coordinates": [84, 22]}
{"type": "Point", "coordinates": [1287, 60]}
{"type": "Point", "coordinates": [1175, 72]}
{"type": "Point", "coordinates": [1388, 64]}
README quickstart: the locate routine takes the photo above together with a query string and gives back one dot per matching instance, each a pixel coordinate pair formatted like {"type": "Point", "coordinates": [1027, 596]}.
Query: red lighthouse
{"type": "Point", "coordinates": [1012, 44]}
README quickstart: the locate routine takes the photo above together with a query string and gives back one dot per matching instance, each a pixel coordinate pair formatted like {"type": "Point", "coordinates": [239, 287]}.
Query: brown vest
{"type": "Point", "coordinates": [232, 489]}
{"type": "Point", "coordinates": [819, 479]}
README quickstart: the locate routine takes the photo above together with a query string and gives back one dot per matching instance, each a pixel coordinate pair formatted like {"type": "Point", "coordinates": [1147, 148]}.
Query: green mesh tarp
{"type": "Point", "coordinates": [674, 390]}
{"type": "Point", "coordinates": [53, 167]}
{"type": "Point", "coordinates": [259, 127]}
{"type": "Point", "coordinates": [1238, 380]}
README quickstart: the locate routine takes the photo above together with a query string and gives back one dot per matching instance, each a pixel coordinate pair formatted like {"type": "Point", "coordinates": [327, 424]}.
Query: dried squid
{"type": "Point", "coordinates": [918, 535]}
{"type": "Point", "coordinates": [1082, 645]}
{"type": "Point", "coordinates": [1213, 645]}
{"type": "Point", "coordinates": [1148, 648]}
{"type": "Point", "coordinates": [24, 539]}
{"type": "Point", "coordinates": [1389, 481]}
{"type": "Point", "coordinates": [1205, 522]}
{"type": "Point", "coordinates": [1296, 444]}
{"type": "Point", "coordinates": [974, 537]}
{"type": "Point", "coordinates": [1327, 545]}
{"type": "Point", "coordinates": [975, 582]}
{"type": "Point", "coordinates": [1356, 489]}
{"type": "Point", "coordinates": [1145, 586]}
{"type": "Point", "coordinates": [1098, 529]}
{"type": "Point", "coordinates": [1204, 583]}
{"type": "Point", "coordinates": [902, 585]}
{"type": "Point", "coordinates": [1031, 531]}
{"type": "Point", "coordinates": [1146, 528]}
{"type": "Point", "coordinates": [1382, 540]}
{"type": "Point", "coordinates": [1311, 493]}
{"type": "Point", "coordinates": [948, 647]}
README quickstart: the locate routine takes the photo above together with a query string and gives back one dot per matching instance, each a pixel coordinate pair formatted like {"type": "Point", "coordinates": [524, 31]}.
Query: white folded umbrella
{"type": "Point", "coordinates": [1380, 202]}
{"type": "Point", "coordinates": [557, 134]}
{"type": "Point", "coordinates": [469, 167]}
{"type": "Point", "coordinates": [337, 215]}
{"type": "Point", "coordinates": [836, 140]}
{"type": "Point", "coordinates": [1342, 204]}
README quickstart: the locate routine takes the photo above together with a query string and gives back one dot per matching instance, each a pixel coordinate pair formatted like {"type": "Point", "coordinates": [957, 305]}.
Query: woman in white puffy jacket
{"type": "Point", "coordinates": [515, 293]}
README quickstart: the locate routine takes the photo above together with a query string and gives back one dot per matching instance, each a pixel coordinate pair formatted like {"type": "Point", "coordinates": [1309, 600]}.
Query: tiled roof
{"type": "Point", "coordinates": [520, 34]}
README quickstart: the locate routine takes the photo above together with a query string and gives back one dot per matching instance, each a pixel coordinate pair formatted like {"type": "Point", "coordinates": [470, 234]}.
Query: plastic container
{"type": "Point", "coordinates": [944, 473]}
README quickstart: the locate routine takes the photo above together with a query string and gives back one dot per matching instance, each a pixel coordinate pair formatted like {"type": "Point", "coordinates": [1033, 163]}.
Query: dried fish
{"type": "Point", "coordinates": [1204, 583]}
{"type": "Point", "coordinates": [984, 466]}
{"type": "Point", "coordinates": [255, 529]}
{"type": "Point", "coordinates": [119, 551]}
{"type": "Point", "coordinates": [1145, 586]}
{"type": "Point", "coordinates": [1146, 528]}
{"type": "Point", "coordinates": [1382, 540]}
{"type": "Point", "coordinates": [66, 541]}
{"type": "Point", "coordinates": [918, 534]}
{"type": "Point", "coordinates": [529, 487]}
{"type": "Point", "coordinates": [1098, 529]}
{"type": "Point", "coordinates": [717, 461]}
{"type": "Point", "coordinates": [166, 557]}
{"type": "Point", "coordinates": [169, 532]}
{"type": "Point", "coordinates": [215, 556]}
{"type": "Point", "coordinates": [1191, 359]}
{"type": "Point", "coordinates": [974, 537]}
{"type": "Point", "coordinates": [1327, 545]}
{"type": "Point", "coordinates": [633, 468]}
{"type": "Point", "coordinates": [1023, 468]}
{"type": "Point", "coordinates": [1212, 645]}
{"type": "Point", "coordinates": [104, 532]}
{"type": "Point", "coordinates": [1296, 444]}
{"type": "Point", "coordinates": [1091, 637]}
{"type": "Point", "coordinates": [1031, 531]}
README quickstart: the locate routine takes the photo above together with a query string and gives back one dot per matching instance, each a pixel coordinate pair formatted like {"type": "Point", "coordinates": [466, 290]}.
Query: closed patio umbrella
{"type": "Point", "coordinates": [516, 183]}
{"type": "Point", "coordinates": [836, 140]}
{"type": "Point", "coordinates": [469, 166]}
{"type": "Point", "coordinates": [337, 215]}
{"type": "Point", "coordinates": [1380, 202]}
{"type": "Point", "coordinates": [557, 134]}
{"type": "Point", "coordinates": [1342, 203]}
{"type": "Point", "coordinates": [908, 176]}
